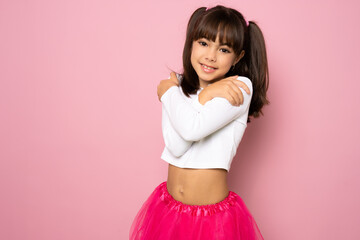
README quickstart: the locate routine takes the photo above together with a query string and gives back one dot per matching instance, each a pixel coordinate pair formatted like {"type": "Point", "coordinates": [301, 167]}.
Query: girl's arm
{"type": "Point", "coordinates": [173, 141]}
{"type": "Point", "coordinates": [227, 88]}
{"type": "Point", "coordinates": [192, 125]}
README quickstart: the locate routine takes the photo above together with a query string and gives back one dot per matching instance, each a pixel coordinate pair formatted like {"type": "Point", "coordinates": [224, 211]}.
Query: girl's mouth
{"type": "Point", "coordinates": [207, 68]}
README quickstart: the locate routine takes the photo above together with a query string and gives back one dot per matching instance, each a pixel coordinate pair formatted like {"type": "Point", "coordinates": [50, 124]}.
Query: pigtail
{"type": "Point", "coordinates": [257, 68]}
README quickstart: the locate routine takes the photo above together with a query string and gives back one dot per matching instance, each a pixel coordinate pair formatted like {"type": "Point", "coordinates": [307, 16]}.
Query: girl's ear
{"type": "Point", "coordinates": [239, 57]}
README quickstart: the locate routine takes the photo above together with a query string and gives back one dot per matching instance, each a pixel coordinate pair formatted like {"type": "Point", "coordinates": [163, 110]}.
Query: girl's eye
{"type": "Point", "coordinates": [224, 50]}
{"type": "Point", "coordinates": [202, 43]}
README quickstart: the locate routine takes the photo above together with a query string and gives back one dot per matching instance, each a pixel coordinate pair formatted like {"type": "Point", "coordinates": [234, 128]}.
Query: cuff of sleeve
{"type": "Point", "coordinates": [168, 92]}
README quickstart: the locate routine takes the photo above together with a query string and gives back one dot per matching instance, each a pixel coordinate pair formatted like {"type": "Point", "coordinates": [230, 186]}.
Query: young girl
{"type": "Point", "coordinates": [205, 112]}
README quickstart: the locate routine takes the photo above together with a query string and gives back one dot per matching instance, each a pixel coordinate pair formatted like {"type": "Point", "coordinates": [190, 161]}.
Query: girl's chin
{"type": "Point", "coordinates": [210, 79]}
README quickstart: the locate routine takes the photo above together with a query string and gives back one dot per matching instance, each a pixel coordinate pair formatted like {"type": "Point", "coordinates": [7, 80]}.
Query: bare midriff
{"type": "Point", "coordinates": [197, 186]}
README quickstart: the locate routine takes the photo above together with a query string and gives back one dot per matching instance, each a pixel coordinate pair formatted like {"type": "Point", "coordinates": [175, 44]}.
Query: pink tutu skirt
{"type": "Point", "coordinates": [161, 217]}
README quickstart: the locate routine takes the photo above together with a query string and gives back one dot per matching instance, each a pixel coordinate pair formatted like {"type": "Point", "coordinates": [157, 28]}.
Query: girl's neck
{"type": "Point", "coordinates": [204, 84]}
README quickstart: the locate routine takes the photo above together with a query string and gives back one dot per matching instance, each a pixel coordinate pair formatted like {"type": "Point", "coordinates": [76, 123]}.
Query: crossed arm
{"type": "Point", "coordinates": [173, 141]}
{"type": "Point", "coordinates": [182, 124]}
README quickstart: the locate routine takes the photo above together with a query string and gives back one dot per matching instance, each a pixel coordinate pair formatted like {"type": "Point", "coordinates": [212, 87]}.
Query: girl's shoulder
{"type": "Point", "coordinates": [243, 78]}
{"type": "Point", "coordinates": [179, 77]}
{"type": "Point", "coordinates": [247, 81]}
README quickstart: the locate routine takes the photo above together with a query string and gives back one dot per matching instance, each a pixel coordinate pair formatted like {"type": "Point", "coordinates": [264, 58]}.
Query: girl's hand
{"type": "Point", "coordinates": [227, 88]}
{"type": "Point", "coordinates": [164, 85]}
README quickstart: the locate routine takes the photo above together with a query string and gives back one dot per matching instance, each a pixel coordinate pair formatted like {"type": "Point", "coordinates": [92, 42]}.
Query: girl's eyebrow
{"type": "Point", "coordinates": [225, 44]}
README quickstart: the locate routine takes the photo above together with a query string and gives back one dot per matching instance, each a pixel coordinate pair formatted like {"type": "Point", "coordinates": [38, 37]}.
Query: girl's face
{"type": "Point", "coordinates": [211, 61]}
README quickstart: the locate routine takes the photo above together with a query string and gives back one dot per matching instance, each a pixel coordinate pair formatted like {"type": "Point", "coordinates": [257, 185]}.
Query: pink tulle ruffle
{"type": "Point", "coordinates": [161, 217]}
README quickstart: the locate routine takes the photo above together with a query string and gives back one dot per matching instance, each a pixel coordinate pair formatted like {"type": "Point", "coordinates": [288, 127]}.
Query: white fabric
{"type": "Point", "coordinates": [202, 136]}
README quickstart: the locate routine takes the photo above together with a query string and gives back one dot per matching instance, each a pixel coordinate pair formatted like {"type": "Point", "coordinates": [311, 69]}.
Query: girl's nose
{"type": "Point", "coordinates": [211, 55]}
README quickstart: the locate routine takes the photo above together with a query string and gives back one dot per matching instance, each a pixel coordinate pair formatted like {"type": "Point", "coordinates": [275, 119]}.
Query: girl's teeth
{"type": "Point", "coordinates": [207, 67]}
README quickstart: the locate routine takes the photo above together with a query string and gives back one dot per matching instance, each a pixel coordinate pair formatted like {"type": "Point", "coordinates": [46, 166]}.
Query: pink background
{"type": "Point", "coordinates": [80, 132]}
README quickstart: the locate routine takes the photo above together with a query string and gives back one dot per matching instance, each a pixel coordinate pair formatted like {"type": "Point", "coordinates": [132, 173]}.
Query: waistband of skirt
{"type": "Point", "coordinates": [197, 210]}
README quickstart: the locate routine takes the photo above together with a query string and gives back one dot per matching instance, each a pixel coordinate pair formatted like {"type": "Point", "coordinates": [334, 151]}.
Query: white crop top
{"type": "Point", "coordinates": [202, 136]}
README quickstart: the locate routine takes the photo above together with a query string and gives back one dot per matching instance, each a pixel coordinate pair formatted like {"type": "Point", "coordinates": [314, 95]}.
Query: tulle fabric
{"type": "Point", "coordinates": [161, 217]}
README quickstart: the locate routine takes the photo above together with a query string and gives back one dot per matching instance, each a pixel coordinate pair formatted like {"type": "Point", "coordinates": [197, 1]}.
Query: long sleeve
{"type": "Point", "coordinates": [193, 125]}
{"type": "Point", "coordinates": [173, 141]}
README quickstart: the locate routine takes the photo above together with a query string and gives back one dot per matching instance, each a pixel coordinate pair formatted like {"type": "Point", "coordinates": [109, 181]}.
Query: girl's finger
{"type": "Point", "coordinates": [173, 78]}
{"type": "Point", "coordinates": [238, 92]}
{"type": "Point", "coordinates": [173, 75]}
{"type": "Point", "coordinates": [231, 99]}
{"type": "Point", "coordinates": [235, 96]}
{"type": "Point", "coordinates": [242, 85]}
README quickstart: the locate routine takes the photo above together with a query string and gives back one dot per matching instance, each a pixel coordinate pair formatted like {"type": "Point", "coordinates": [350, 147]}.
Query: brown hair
{"type": "Point", "coordinates": [232, 29]}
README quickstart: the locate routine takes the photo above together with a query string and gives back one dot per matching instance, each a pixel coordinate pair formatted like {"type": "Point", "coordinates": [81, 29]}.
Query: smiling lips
{"type": "Point", "coordinates": [207, 69]}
